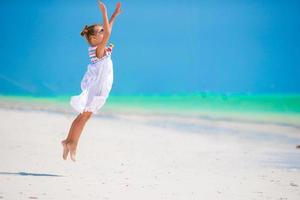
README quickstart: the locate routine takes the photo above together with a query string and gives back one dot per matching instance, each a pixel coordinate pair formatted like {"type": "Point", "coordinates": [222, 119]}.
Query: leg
{"type": "Point", "coordinates": [76, 120]}
{"type": "Point", "coordinates": [71, 142]}
{"type": "Point", "coordinates": [78, 126]}
{"type": "Point", "coordinates": [64, 142]}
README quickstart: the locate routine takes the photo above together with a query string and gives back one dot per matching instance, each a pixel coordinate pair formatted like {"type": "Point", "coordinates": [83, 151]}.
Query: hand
{"type": "Point", "coordinates": [118, 9]}
{"type": "Point", "coordinates": [101, 6]}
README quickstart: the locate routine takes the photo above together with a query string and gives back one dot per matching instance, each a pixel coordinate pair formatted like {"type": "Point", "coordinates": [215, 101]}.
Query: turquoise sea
{"type": "Point", "coordinates": [283, 109]}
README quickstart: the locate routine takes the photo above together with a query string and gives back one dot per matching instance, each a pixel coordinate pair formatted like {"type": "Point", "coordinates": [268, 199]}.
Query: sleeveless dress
{"type": "Point", "coordinates": [96, 83]}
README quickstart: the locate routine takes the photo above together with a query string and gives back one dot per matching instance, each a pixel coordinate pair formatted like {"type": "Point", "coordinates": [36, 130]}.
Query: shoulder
{"type": "Point", "coordinates": [102, 51]}
{"type": "Point", "coordinates": [109, 48]}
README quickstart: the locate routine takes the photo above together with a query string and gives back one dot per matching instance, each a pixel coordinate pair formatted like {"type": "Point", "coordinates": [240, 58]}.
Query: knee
{"type": "Point", "coordinates": [85, 116]}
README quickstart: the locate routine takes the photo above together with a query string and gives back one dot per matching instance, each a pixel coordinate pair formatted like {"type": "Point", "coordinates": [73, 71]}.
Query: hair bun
{"type": "Point", "coordinates": [84, 31]}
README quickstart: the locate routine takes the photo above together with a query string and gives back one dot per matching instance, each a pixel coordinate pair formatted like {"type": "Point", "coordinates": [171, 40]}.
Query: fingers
{"type": "Point", "coordinates": [118, 8]}
{"type": "Point", "coordinates": [101, 5]}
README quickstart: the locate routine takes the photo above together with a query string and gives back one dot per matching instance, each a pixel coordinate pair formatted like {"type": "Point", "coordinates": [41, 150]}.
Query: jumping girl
{"type": "Point", "coordinates": [97, 80]}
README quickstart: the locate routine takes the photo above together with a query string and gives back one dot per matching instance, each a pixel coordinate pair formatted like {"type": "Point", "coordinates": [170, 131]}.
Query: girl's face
{"type": "Point", "coordinates": [97, 38]}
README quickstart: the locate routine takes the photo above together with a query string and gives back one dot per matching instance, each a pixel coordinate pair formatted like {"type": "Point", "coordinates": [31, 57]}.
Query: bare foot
{"type": "Point", "coordinates": [72, 148]}
{"type": "Point", "coordinates": [66, 150]}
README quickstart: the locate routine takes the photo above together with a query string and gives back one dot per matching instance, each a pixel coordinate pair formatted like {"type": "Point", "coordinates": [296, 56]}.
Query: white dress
{"type": "Point", "coordinates": [95, 84]}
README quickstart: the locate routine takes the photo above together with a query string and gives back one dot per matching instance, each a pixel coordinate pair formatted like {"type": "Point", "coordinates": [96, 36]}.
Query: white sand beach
{"type": "Point", "coordinates": [143, 156]}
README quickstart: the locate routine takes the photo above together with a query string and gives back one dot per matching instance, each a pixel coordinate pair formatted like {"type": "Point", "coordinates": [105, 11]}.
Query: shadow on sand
{"type": "Point", "coordinates": [28, 174]}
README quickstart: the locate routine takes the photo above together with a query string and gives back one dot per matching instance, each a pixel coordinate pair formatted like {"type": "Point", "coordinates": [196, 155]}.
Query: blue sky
{"type": "Point", "coordinates": [160, 46]}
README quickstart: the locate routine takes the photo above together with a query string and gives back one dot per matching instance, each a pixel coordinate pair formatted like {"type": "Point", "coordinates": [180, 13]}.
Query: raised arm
{"type": "Point", "coordinates": [115, 14]}
{"type": "Point", "coordinates": [107, 30]}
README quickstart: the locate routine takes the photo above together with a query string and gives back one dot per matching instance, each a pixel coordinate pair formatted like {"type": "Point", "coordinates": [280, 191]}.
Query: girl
{"type": "Point", "coordinates": [97, 80]}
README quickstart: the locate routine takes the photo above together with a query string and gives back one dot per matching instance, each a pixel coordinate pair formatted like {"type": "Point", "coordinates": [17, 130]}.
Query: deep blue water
{"type": "Point", "coordinates": [160, 46]}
